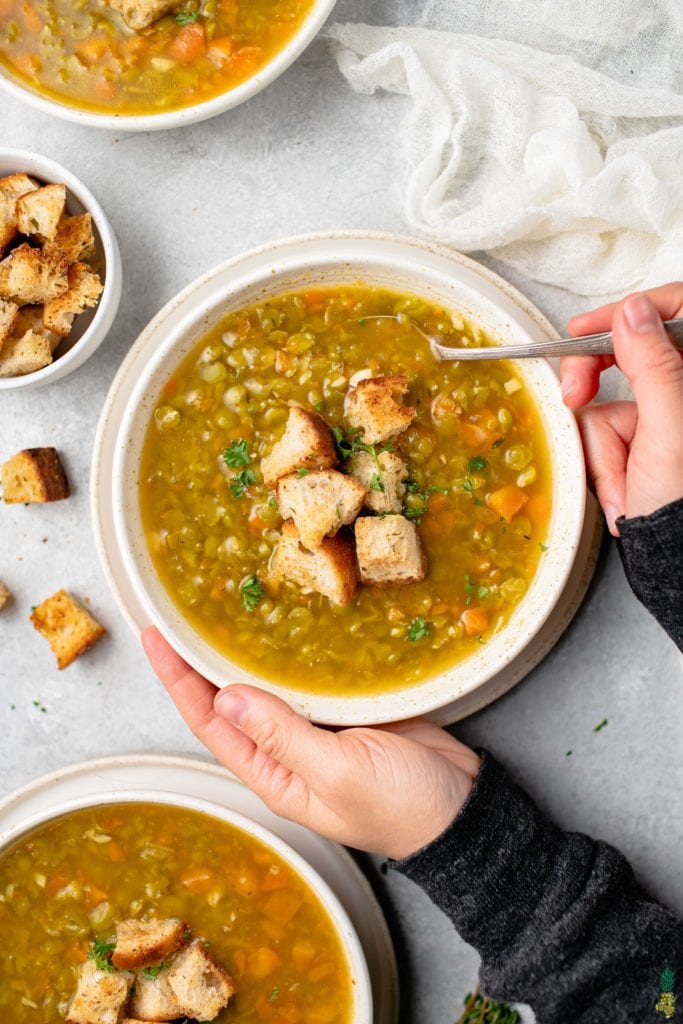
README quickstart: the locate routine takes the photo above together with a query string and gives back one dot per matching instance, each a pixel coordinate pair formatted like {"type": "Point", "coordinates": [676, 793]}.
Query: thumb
{"type": "Point", "coordinates": [646, 355]}
{"type": "Point", "coordinates": [607, 432]}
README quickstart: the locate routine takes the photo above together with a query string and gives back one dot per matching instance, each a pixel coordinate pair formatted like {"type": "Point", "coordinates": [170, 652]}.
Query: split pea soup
{"type": "Point", "coordinates": [82, 53]}
{"type": "Point", "coordinates": [70, 881]}
{"type": "Point", "coordinates": [478, 486]}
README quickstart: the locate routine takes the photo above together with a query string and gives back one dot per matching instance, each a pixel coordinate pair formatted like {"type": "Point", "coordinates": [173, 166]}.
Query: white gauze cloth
{"type": "Point", "coordinates": [558, 169]}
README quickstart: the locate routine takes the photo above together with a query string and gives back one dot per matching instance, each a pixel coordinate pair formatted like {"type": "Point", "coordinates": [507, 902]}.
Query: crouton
{"type": "Point", "coordinates": [40, 211]}
{"type": "Point", "coordinates": [202, 987]}
{"type": "Point", "coordinates": [373, 407]}
{"type": "Point", "coordinates": [84, 290]}
{"type": "Point", "coordinates": [331, 570]}
{"type": "Point", "coordinates": [24, 354]}
{"type": "Point", "coordinates": [67, 626]}
{"type": "Point", "coordinates": [10, 190]}
{"type": "Point", "coordinates": [147, 943]}
{"type": "Point", "coordinates": [100, 996]}
{"type": "Point", "coordinates": [29, 276]}
{"type": "Point", "coordinates": [385, 487]}
{"type": "Point", "coordinates": [5, 595]}
{"type": "Point", "coordinates": [139, 14]}
{"type": "Point", "coordinates": [153, 999]}
{"type": "Point", "coordinates": [30, 318]}
{"type": "Point", "coordinates": [34, 474]}
{"type": "Point", "coordinates": [74, 239]}
{"type": "Point", "coordinates": [320, 503]}
{"type": "Point", "coordinates": [17, 185]}
{"type": "Point", "coordinates": [307, 443]}
{"type": "Point", "coordinates": [8, 316]}
{"type": "Point", "coordinates": [389, 551]}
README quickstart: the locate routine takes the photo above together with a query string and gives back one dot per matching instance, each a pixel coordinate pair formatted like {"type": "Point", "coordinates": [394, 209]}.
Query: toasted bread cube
{"type": "Point", "coordinates": [30, 318]}
{"type": "Point", "coordinates": [100, 996]}
{"type": "Point", "coordinates": [202, 987]}
{"type": "Point", "coordinates": [25, 354]}
{"type": "Point", "coordinates": [67, 626]}
{"type": "Point", "coordinates": [8, 316]}
{"type": "Point", "coordinates": [385, 488]}
{"type": "Point", "coordinates": [147, 943]}
{"type": "Point", "coordinates": [11, 189]}
{"type": "Point", "coordinates": [153, 999]}
{"type": "Point", "coordinates": [389, 551]}
{"type": "Point", "coordinates": [307, 443]}
{"type": "Point", "coordinates": [29, 276]}
{"type": "Point", "coordinates": [83, 292]}
{"type": "Point", "coordinates": [330, 570]}
{"type": "Point", "coordinates": [373, 406]}
{"type": "Point", "coordinates": [139, 14]}
{"type": "Point", "coordinates": [5, 595]}
{"type": "Point", "coordinates": [74, 239]}
{"type": "Point", "coordinates": [319, 502]}
{"type": "Point", "coordinates": [34, 474]}
{"type": "Point", "coordinates": [17, 185]}
{"type": "Point", "coordinates": [40, 211]}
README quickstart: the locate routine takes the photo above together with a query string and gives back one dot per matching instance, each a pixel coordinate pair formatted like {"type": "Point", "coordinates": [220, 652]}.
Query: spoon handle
{"type": "Point", "coordinates": [588, 345]}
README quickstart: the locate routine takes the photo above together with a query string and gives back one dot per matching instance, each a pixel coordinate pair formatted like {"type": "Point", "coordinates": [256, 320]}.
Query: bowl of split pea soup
{"type": "Point", "coordinates": [307, 500]}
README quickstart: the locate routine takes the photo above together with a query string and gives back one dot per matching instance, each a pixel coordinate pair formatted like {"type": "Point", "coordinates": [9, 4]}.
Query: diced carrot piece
{"type": "Point", "coordinates": [198, 880]}
{"type": "Point", "coordinates": [246, 883]}
{"type": "Point", "coordinates": [314, 298]}
{"type": "Point", "coordinates": [264, 1008]}
{"type": "Point", "coordinates": [474, 435]}
{"type": "Point", "coordinates": [273, 883]}
{"type": "Point", "coordinates": [282, 906]}
{"type": "Point", "coordinates": [262, 962]}
{"type": "Point", "coordinates": [255, 521]}
{"type": "Point", "coordinates": [303, 953]}
{"type": "Point", "coordinates": [95, 895]}
{"type": "Point", "coordinates": [245, 60]}
{"type": "Point", "coordinates": [283, 361]}
{"type": "Point", "coordinates": [537, 508]}
{"type": "Point", "coordinates": [32, 19]}
{"type": "Point", "coordinates": [189, 44]}
{"type": "Point", "coordinates": [507, 501]}
{"type": "Point", "coordinates": [273, 931]}
{"type": "Point", "coordinates": [93, 49]}
{"type": "Point", "coordinates": [114, 852]}
{"type": "Point", "coordinates": [220, 50]}
{"type": "Point", "coordinates": [105, 90]}
{"type": "Point", "coordinates": [474, 620]}
{"type": "Point", "coordinates": [438, 609]}
{"type": "Point", "coordinates": [76, 955]}
{"type": "Point", "coordinates": [217, 591]}
{"type": "Point", "coordinates": [320, 972]}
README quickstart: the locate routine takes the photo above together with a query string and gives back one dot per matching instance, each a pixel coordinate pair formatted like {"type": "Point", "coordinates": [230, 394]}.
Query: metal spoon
{"type": "Point", "coordinates": [586, 345]}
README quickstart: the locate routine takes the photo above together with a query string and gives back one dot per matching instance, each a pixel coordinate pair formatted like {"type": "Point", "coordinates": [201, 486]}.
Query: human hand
{"type": "Point", "coordinates": [389, 789]}
{"type": "Point", "coordinates": [634, 450]}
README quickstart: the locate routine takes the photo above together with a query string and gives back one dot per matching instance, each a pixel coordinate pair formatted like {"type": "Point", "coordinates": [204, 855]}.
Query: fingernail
{"type": "Point", "coordinates": [612, 513]}
{"type": "Point", "coordinates": [568, 384]}
{"type": "Point", "coordinates": [641, 314]}
{"type": "Point", "coordinates": [230, 705]}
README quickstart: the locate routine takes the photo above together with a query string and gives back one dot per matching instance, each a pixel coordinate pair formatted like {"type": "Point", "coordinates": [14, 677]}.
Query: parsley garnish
{"type": "Point", "coordinates": [477, 463]}
{"type": "Point", "coordinates": [274, 994]}
{"type": "Point", "coordinates": [543, 547]}
{"type": "Point", "coordinates": [418, 511]}
{"type": "Point", "coordinates": [302, 471]}
{"type": "Point", "coordinates": [361, 322]}
{"type": "Point", "coordinates": [252, 592]}
{"type": "Point", "coordinates": [468, 486]}
{"type": "Point", "coordinates": [237, 454]}
{"type": "Point", "coordinates": [412, 486]}
{"type": "Point", "coordinates": [417, 630]}
{"type": "Point", "coordinates": [241, 481]}
{"type": "Point", "coordinates": [601, 725]}
{"type": "Point", "coordinates": [186, 17]}
{"type": "Point", "coordinates": [154, 972]}
{"type": "Point", "coordinates": [101, 954]}
{"type": "Point", "coordinates": [376, 483]}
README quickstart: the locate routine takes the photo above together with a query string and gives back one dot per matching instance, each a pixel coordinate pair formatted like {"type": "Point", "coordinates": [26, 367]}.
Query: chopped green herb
{"type": "Point", "coordinates": [483, 591]}
{"type": "Point", "coordinates": [480, 640]}
{"type": "Point", "coordinates": [568, 754]}
{"type": "Point", "coordinates": [154, 972]}
{"type": "Point", "coordinates": [186, 17]}
{"type": "Point", "coordinates": [469, 585]}
{"type": "Point", "coordinates": [481, 1010]}
{"type": "Point", "coordinates": [241, 482]}
{"type": "Point", "coordinates": [274, 994]}
{"type": "Point", "coordinates": [478, 501]}
{"type": "Point", "coordinates": [417, 630]}
{"type": "Point", "coordinates": [302, 471]}
{"type": "Point", "coordinates": [468, 486]}
{"type": "Point", "coordinates": [101, 954]}
{"type": "Point", "coordinates": [361, 322]}
{"type": "Point", "coordinates": [412, 486]}
{"type": "Point", "coordinates": [252, 592]}
{"type": "Point", "coordinates": [601, 725]}
{"type": "Point", "coordinates": [376, 483]}
{"type": "Point", "coordinates": [543, 547]}
{"type": "Point", "coordinates": [477, 463]}
{"type": "Point", "coordinates": [237, 454]}
{"type": "Point", "coordinates": [33, 607]}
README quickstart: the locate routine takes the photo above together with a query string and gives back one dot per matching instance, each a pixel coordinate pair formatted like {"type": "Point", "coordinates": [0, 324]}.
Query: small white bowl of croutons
{"type": "Point", "coordinates": [60, 271]}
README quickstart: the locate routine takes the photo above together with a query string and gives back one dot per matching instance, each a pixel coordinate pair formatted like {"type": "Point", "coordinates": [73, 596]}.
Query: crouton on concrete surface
{"type": "Point", "coordinates": [8, 316]}
{"type": "Point", "coordinates": [307, 443]}
{"type": "Point", "coordinates": [34, 474]}
{"type": "Point", "coordinates": [83, 292]}
{"type": "Point", "coordinates": [147, 943]}
{"type": "Point", "coordinates": [389, 551]}
{"type": "Point", "coordinates": [320, 503]}
{"type": "Point", "coordinates": [40, 211]}
{"type": "Point", "coordinates": [29, 276]}
{"type": "Point", "coordinates": [25, 354]}
{"type": "Point", "coordinates": [153, 999]}
{"type": "Point", "coordinates": [202, 987]}
{"type": "Point", "coordinates": [374, 407]}
{"type": "Point", "coordinates": [74, 239]}
{"type": "Point", "coordinates": [67, 626]}
{"type": "Point", "coordinates": [100, 996]}
{"type": "Point", "coordinates": [139, 14]}
{"type": "Point", "coordinates": [5, 595]}
{"type": "Point", "coordinates": [385, 487]}
{"type": "Point", "coordinates": [331, 570]}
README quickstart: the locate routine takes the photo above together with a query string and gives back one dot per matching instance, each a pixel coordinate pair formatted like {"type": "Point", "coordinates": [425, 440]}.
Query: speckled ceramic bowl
{"type": "Point", "coordinates": [402, 264]}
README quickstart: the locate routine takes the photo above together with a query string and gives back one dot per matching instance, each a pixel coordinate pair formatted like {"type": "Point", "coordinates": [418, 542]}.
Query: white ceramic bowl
{"type": "Point", "coordinates": [90, 328]}
{"type": "Point", "coordinates": [402, 264]}
{"type": "Point", "coordinates": [310, 27]}
{"type": "Point", "coordinates": [361, 986]}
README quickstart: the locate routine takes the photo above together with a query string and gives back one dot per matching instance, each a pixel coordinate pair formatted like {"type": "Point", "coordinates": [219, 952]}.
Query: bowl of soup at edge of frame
{"type": "Point", "coordinates": [178, 879]}
{"type": "Point", "coordinates": [462, 291]}
{"type": "Point", "coordinates": [105, 75]}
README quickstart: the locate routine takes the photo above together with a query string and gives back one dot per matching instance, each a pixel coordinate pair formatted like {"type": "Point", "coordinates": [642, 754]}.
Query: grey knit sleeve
{"type": "Point", "coordinates": [558, 919]}
{"type": "Point", "coordinates": [651, 549]}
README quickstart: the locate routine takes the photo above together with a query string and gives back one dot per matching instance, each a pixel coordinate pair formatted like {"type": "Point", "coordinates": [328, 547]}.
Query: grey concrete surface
{"type": "Point", "coordinates": [307, 154]}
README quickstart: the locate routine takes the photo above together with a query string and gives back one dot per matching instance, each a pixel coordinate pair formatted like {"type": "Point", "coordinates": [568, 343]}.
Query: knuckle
{"type": "Point", "coordinates": [663, 362]}
{"type": "Point", "coordinates": [267, 734]}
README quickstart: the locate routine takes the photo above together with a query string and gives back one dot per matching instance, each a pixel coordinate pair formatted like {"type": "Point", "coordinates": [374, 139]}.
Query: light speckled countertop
{"type": "Point", "coordinates": [305, 155]}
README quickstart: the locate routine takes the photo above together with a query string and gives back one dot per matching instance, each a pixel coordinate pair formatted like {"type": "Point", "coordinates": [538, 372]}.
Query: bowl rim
{"type": "Point", "coordinates": [365, 708]}
{"type": "Point", "coordinates": [361, 988]}
{"type": "Point", "coordinates": [309, 29]}
{"type": "Point", "coordinates": [48, 170]}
